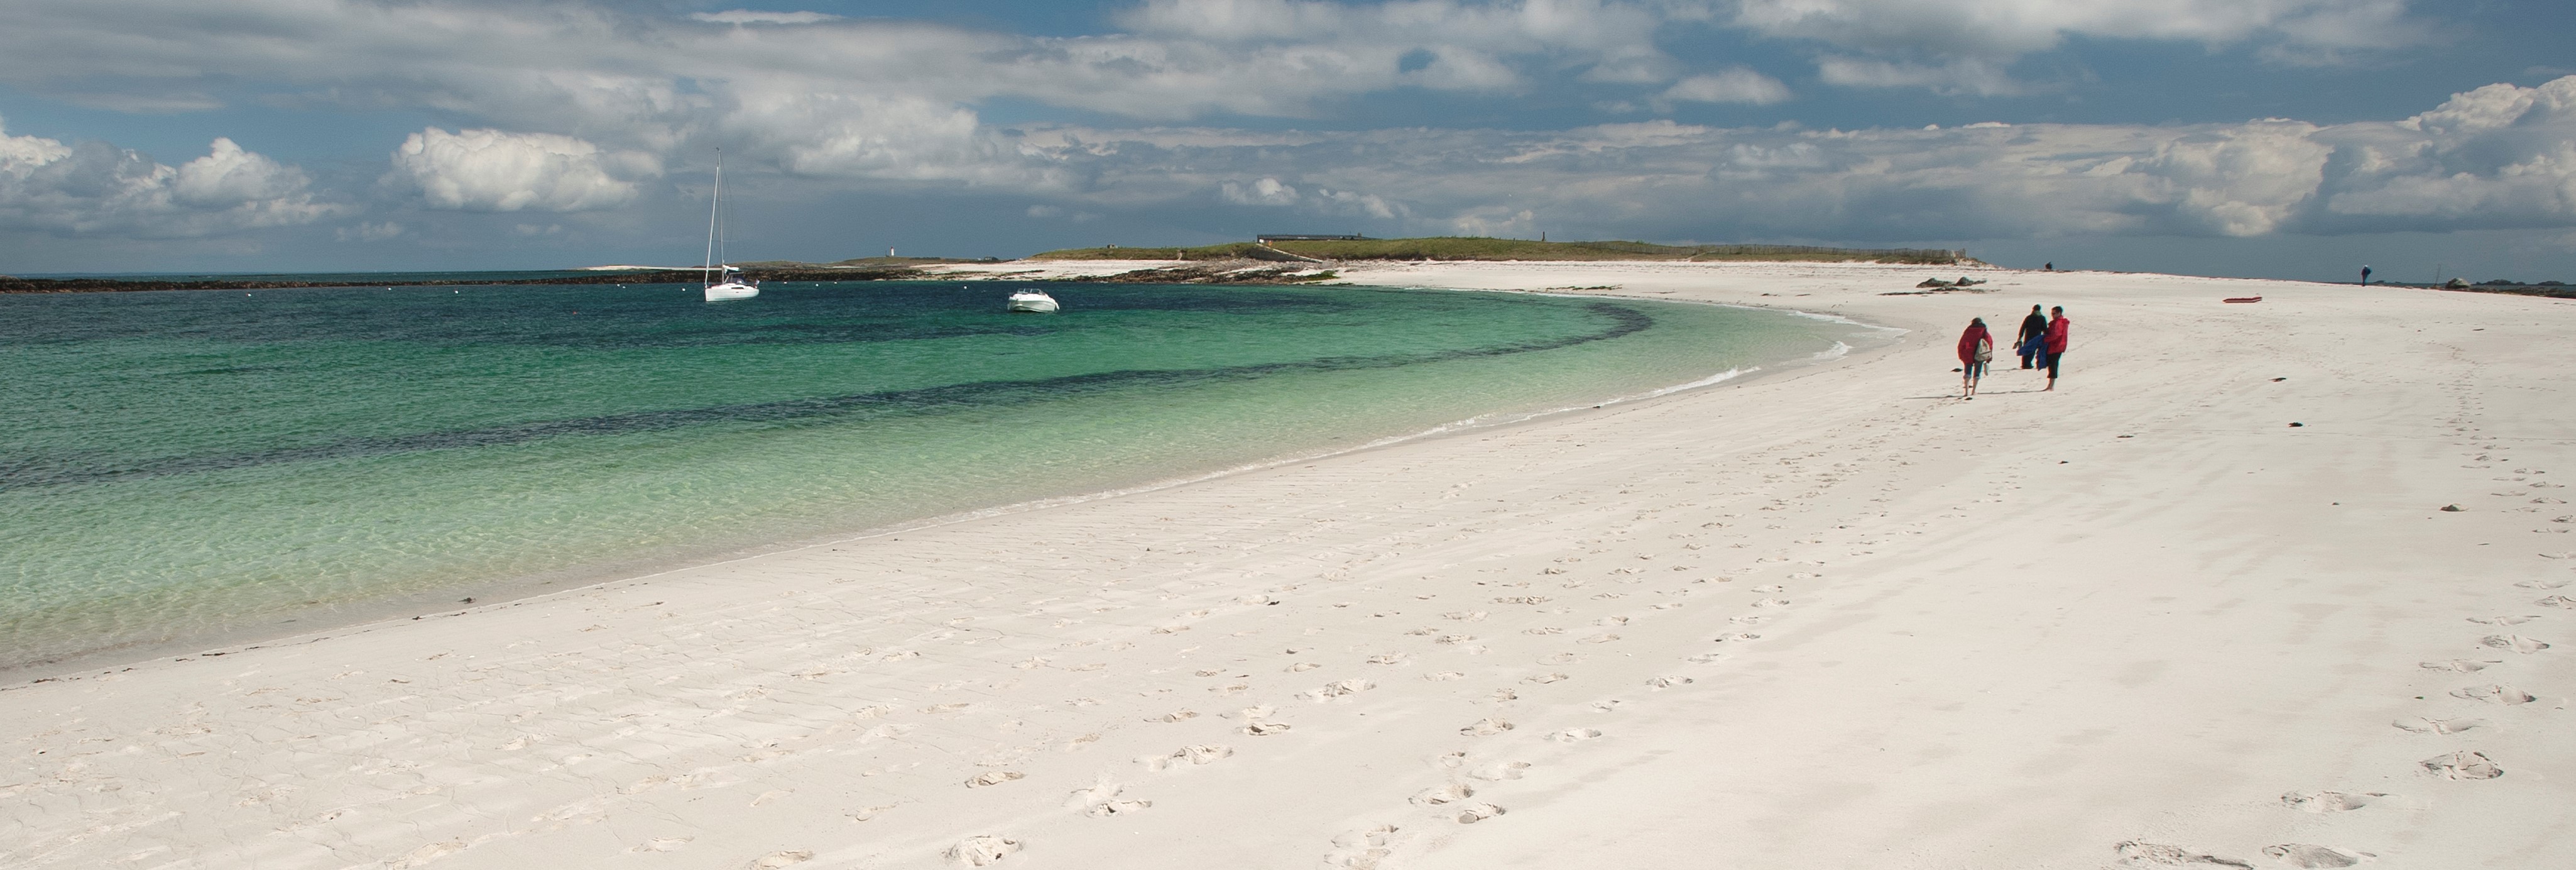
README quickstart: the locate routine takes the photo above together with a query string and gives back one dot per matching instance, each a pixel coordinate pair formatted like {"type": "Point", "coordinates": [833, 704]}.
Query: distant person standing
{"type": "Point", "coordinates": [2034, 330]}
{"type": "Point", "coordinates": [2056, 343]}
{"type": "Point", "coordinates": [2047, 267]}
{"type": "Point", "coordinates": [2365, 276]}
{"type": "Point", "coordinates": [1976, 348]}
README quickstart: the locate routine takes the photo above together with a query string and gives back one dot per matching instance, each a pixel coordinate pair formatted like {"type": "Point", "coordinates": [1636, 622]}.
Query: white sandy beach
{"type": "Point", "coordinates": [1828, 616]}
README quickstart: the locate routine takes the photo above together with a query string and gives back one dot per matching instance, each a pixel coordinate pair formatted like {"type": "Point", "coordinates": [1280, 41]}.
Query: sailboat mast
{"type": "Point", "coordinates": [707, 272]}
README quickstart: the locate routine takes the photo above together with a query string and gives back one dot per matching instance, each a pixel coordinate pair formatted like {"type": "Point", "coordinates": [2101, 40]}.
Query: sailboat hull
{"type": "Point", "coordinates": [731, 290]}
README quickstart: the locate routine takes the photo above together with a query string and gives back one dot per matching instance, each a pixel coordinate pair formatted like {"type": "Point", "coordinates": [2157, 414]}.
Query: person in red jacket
{"type": "Point", "coordinates": [2057, 326]}
{"type": "Point", "coordinates": [1976, 348]}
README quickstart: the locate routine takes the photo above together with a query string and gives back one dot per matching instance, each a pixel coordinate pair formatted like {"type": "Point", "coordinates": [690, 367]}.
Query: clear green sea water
{"type": "Point", "coordinates": [185, 466]}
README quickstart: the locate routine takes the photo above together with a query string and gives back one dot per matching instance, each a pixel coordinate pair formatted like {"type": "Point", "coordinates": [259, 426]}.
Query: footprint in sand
{"type": "Point", "coordinates": [1435, 796]}
{"type": "Point", "coordinates": [1302, 666]}
{"type": "Point", "coordinates": [2502, 620]}
{"type": "Point", "coordinates": [2461, 665]}
{"type": "Point", "coordinates": [2322, 802]}
{"type": "Point", "coordinates": [1609, 706]}
{"type": "Point", "coordinates": [1544, 679]}
{"type": "Point", "coordinates": [1375, 836]}
{"type": "Point", "coordinates": [1737, 636]}
{"type": "Point", "coordinates": [1768, 588]}
{"type": "Point", "coordinates": [1500, 770]}
{"type": "Point", "coordinates": [1660, 683]}
{"type": "Point", "coordinates": [2304, 855]}
{"type": "Point", "coordinates": [994, 777]}
{"type": "Point", "coordinates": [1486, 727]}
{"type": "Point", "coordinates": [775, 860]}
{"type": "Point", "coordinates": [2557, 601]}
{"type": "Point", "coordinates": [1361, 850]}
{"type": "Point", "coordinates": [2515, 642]}
{"type": "Point", "coordinates": [2543, 584]}
{"type": "Point", "coordinates": [1199, 753]}
{"type": "Point", "coordinates": [1339, 689]}
{"type": "Point", "coordinates": [980, 850]}
{"type": "Point", "coordinates": [1772, 602]}
{"type": "Point", "coordinates": [662, 844]}
{"type": "Point", "coordinates": [1477, 813]}
{"type": "Point", "coordinates": [2463, 764]}
{"type": "Point", "coordinates": [1175, 716]}
{"type": "Point", "coordinates": [1257, 724]}
{"type": "Point", "coordinates": [2137, 854]}
{"type": "Point", "coordinates": [1101, 799]}
{"type": "Point", "coordinates": [1444, 676]}
{"type": "Point", "coordinates": [1704, 658]}
{"type": "Point", "coordinates": [2506, 695]}
{"type": "Point", "coordinates": [1574, 735]}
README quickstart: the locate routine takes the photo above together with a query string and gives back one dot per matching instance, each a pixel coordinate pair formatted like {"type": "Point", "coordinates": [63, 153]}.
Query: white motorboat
{"type": "Point", "coordinates": [1032, 302]}
{"type": "Point", "coordinates": [732, 287]}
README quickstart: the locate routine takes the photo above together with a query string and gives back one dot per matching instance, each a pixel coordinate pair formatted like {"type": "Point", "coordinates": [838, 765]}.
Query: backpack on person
{"type": "Point", "coordinates": [1985, 351]}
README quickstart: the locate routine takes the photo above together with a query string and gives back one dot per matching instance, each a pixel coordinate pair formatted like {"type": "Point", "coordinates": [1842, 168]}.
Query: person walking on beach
{"type": "Point", "coordinates": [2034, 329]}
{"type": "Point", "coordinates": [1976, 348]}
{"type": "Point", "coordinates": [2056, 343]}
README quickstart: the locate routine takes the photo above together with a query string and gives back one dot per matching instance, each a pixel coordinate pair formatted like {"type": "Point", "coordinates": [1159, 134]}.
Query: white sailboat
{"type": "Point", "coordinates": [1031, 301]}
{"type": "Point", "coordinates": [731, 287]}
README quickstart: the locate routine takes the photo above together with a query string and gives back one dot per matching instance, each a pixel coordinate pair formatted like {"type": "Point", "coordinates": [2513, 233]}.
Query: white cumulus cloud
{"type": "Point", "coordinates": [1738, 85]}
{"type": "Point", "coordinates": [2013, 27]}
{"type": "Point", "coordinates": [97, 188]}
{"type": "Point", "coordinates": [1267, 191]}
{"type": "Point", "coordinates": [2501, 157]}
{"type": "Point", "coordinates": [495, 170]}
{"type": "Point", "coordinates": [2498, 156]}
{"type": "Point", "coordinates": [746, 16]}
{"type": "Point", "coordinates": [365, 231]}
{"type": "Point", "coordinates": [1963, 46]}
{"type": "Point", "coordinates": [1970, 76]}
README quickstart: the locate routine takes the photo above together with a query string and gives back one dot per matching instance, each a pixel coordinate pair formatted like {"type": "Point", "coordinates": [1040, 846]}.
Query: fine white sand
{"type": "Point", "coordinates": [1826, 617]}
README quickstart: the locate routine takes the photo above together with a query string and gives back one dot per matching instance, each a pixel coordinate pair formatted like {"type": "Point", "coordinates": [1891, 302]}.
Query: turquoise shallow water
{"type": "Point", "coordinates": [192, 465]}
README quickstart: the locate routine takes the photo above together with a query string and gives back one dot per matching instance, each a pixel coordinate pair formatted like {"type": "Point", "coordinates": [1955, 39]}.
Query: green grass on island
{"type": "Point", "coordinates": [1477, 248]}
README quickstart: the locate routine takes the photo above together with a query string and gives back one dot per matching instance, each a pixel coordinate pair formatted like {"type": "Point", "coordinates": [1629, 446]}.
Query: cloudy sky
{"type": "Point", "coordinates": [2283, 138]}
